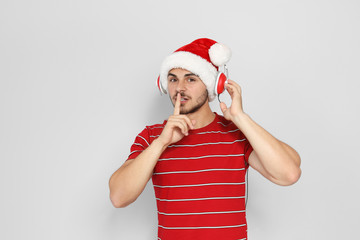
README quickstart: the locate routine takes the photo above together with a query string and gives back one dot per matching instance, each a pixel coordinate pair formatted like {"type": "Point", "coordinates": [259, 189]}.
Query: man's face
{"type": "Point", "coordinates": [193, 91]}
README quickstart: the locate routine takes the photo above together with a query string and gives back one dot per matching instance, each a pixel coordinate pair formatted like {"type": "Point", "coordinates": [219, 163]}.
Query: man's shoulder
{"type": "Point", "coordinates": [223, 122]}
{"type": "Point", "coordinates": [222, 119]}
{"type": "Point", "coordinates": [150, 132]}
{"type": "Point", "coordinates": [157, 125]}
{"type": "Point", "coordinates": [153, 129]}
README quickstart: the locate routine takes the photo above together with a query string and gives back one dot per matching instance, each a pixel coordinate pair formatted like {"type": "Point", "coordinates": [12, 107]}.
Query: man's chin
{"type": "Point", "coordinates": [184, 111]}
{"type": "Point", "coordinates": [189, 110]}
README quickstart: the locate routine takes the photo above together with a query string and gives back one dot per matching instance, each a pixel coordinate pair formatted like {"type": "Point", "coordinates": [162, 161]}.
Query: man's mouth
{"type": "Point", "coordinates": [183, 99]}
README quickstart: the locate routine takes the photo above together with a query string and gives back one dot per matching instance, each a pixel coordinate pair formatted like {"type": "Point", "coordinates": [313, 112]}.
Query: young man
{"type": "Point", "coordinates": [198, 159]}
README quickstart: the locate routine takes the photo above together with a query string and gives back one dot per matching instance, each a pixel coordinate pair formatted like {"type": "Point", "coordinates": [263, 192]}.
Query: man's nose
{"type": "Point", "coordinates": [180, 86]}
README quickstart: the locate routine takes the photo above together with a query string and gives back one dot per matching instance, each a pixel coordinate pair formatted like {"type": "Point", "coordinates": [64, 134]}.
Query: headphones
{"type": "Point", "coordinates": [160, 86]}
{"type": "Point", "coordinates": [221, 80]}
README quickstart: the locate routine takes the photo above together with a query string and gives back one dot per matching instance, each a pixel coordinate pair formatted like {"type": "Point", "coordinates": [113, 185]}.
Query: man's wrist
{"type": "Point", "coordinates": [160, 144]}
{"type": "Point", "coordinates": [240, 119]}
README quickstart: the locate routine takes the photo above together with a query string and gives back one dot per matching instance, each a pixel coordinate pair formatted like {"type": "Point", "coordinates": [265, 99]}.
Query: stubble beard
{"type": "Point", "coordinates": [200, 101]}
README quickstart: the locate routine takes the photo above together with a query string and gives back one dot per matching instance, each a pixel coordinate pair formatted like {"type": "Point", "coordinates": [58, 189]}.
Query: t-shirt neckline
{"type": "Point", "coordinates": [209, 126]}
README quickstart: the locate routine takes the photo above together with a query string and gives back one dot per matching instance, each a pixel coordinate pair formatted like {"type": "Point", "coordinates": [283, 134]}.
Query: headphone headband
{"type": "Point", "coordinates": [221, 79]}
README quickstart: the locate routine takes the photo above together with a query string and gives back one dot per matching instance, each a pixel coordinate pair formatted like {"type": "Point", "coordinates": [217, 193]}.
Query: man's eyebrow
{"type": "Point", "coordinates": [186, 75]}
{"type": "Point", "coordinates": [190, 74]}
{"type": "Point", "coordinates": [173, 75]}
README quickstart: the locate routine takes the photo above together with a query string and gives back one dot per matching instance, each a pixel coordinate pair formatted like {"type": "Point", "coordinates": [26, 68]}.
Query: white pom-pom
{"type": "Point", "coordinates": [219, 54]}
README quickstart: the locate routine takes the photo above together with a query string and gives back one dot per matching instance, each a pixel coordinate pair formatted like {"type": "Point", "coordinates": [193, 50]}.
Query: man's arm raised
{"type": "Point", "coordinates": [128, 182]}
{"type": "Point", "coordinates": [274, 159]}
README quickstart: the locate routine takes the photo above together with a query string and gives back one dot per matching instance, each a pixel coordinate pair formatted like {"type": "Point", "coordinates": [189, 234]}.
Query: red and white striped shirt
{"type": "Point", "coordinates": [199, 182]}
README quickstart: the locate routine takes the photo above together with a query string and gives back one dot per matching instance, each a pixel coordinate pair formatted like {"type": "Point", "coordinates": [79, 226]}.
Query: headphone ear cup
{"type": "Point", "coordinates": [221, 79]}
{"type": "Point", "coordinates": [161, 89]}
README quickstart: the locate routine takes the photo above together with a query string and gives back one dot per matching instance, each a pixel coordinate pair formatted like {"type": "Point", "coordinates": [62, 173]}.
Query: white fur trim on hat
{"type": "Point", "coordinates": [219, 54]}
{"type": "Point", "coordinates": [193, 63]}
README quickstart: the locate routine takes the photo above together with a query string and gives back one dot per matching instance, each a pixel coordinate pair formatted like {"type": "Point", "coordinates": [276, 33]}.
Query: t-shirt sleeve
{"type": "Point", "coordinates": [142, 141]}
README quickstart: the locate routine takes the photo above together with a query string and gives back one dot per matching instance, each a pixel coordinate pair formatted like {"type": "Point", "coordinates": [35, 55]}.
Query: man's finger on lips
{"type": "Point", "coordinates": [177, 104]}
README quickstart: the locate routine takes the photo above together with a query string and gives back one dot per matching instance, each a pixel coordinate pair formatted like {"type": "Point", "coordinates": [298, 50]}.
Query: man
{"type": "Point", "coordinates": [198, 159]}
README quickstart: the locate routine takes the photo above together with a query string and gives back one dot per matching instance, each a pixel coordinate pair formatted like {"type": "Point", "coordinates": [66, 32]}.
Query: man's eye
{"type": "Point", "coordinates": [172, 80]}
{"type": "Point", "coordinates": [191, 80]}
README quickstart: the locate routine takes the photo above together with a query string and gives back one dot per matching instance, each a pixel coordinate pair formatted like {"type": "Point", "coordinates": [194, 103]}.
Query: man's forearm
{"type": "Point", "coordinates": [127, 183]}
{"type": "Point", "coordinates": [277, 158]}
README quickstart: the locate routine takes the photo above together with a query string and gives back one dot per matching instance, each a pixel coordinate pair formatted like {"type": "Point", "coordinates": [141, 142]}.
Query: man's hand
{"type": "Point", "coordinates": [274, 159]}
{"type": "Point", "coordinates": [128, 182]}
{"type": "Point", "coordinates": [235, 110]}
{"type": "Point", "coordinates": [177, 126]}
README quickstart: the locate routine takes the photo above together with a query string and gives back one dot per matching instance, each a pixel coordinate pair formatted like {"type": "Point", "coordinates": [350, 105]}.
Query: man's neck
{"type": "Point", "coordinates": [203, 117]}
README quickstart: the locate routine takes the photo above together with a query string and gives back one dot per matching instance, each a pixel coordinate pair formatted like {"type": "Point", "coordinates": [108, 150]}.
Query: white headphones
{"type": "Point", "coordinates": [221, 80]}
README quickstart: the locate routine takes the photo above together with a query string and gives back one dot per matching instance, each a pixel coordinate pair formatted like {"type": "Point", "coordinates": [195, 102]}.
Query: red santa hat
{"type": "Point", "coordinates": [202, 57]}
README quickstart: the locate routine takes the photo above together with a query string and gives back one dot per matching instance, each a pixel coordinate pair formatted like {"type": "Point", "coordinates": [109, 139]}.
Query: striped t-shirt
{"type": "Point", "coordinates": [199, 182]}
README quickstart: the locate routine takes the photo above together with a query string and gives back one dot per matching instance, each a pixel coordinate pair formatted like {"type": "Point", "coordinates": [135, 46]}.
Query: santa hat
{"type": "Point", "coordinates": [202, 57]}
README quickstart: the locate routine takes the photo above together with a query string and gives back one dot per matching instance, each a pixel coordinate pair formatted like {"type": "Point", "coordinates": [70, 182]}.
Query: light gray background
{"type": "Point", "coordinates": [77, 83]}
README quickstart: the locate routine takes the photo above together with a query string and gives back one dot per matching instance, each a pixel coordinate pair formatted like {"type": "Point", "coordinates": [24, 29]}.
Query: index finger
{"type": "Point", "coordinates": [232, 82]}
{"type": "Point", "coordinates": [177, 104]}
